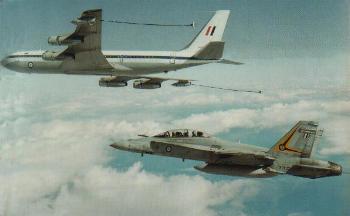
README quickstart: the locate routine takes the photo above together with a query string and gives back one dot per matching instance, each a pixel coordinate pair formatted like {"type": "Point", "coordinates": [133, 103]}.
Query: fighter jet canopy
{"type": "Point", "coordinates": [183, 133]}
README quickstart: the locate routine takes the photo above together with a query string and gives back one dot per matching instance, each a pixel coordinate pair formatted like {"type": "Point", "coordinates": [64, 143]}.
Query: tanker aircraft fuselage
{"type": "Point", "coordinates": [83, 55]}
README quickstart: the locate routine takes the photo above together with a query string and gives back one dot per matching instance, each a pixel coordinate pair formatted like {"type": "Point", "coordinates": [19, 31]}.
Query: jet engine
{"type": "Point", "coordinates": [63, 40]}
{"type": "Point", "coordinates": [50, 55]}
{"type": "Point", "coordinates": [111, 82]}
{"type": "Point", "coordinates": [145, 84]}
{"type": "Point", "coordinates": [235, 170]}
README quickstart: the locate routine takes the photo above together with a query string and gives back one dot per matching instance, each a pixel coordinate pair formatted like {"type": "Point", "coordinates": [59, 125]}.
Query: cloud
{"type": "Point", "coordinates": [61, 167]}
{"type": "Point", "coordinates": [333, 115]}
{"type": "Point", "coordinates": [300, 214]}
{"type": "Point", "coordinates": [105, 191]}
{"type": "Point", "coordinates": [337, 133]}
{"type": "Point", "coordinates": [55, 157]}
{"type": "Point", "coordinates": [271, 116]}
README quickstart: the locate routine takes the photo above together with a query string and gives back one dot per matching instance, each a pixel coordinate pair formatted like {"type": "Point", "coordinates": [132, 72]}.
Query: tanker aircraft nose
{"type": "Point", "coordinates": [10, 63]}
{"type": "Point", "coordinates": [5, 61]}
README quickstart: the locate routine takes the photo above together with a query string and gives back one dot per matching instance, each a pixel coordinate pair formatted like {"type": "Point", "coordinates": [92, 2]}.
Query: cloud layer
{"type": "Point", "coordinates": [43, 174]}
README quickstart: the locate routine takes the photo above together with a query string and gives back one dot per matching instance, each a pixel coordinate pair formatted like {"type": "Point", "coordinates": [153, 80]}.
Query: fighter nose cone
{"type": "Point", "coordinates": [120, 145]}
{"type": "Point", "coordinates": [338, 170]}
{"type": "Point", "coordinates": [114, 145]}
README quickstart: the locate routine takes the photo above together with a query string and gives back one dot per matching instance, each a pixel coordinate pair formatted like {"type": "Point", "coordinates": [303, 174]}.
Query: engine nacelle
{"type": "Point", "coordinates": [235, 170]}
{"type": "Point", "coordinates": [142, 84]}
{"type": "Point", "coordinates": [182, 83]}
{"type": "Point", "coordinates": [50, 55]}
{"type": "Point", "coordinates": [62, 40]}
{"type": "Point", "coordinates": [87, 20]}
{"type": "Point", "coordinates": [111, 82]}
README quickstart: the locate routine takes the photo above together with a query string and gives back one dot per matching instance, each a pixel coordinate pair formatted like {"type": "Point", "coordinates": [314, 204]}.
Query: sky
{"type": "Point", "coordinates": [55, 130]}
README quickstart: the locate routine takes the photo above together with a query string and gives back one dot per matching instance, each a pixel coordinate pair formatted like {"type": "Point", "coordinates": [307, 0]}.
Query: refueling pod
{"type": "Point", "coordinates": [145, 84]}
{"type": "Point", "coordinates": [112, 82]}
{"type": "Point", "coordinates": [182, 83]}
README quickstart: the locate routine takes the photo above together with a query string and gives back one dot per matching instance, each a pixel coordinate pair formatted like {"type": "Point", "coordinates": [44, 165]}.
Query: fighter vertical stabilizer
{"type": "Point", "coordinates": [298, 141]}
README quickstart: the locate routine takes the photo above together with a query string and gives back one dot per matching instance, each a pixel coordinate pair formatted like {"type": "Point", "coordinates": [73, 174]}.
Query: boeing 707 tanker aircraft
{"type": "Point", "coordinates": [83, 56]}
{"type": "Point", "coordinates": [290, 155]}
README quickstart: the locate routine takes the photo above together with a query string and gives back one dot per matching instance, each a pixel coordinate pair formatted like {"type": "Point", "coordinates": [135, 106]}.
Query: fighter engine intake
{"type": "Point", "coordinates": [144, 84]}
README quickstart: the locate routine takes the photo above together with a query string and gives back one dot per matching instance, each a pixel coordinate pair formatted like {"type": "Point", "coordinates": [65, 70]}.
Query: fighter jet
{"type": "Point", "coordinates": [83, 55]}
{"type": "Point", "coordinates": [290, 155]}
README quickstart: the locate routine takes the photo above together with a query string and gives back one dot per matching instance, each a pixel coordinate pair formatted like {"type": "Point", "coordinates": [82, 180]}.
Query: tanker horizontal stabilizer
{"type": "Point", "coordinates": [226, 61]}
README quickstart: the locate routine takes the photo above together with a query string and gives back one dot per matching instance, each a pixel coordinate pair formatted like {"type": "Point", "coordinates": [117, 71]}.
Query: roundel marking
{"type": "Point", "coordinates": [168, 148]}
{"type": "Point", "coordinates": [30, 64]}
{"type": "Point", "coordinates": [282, 147]}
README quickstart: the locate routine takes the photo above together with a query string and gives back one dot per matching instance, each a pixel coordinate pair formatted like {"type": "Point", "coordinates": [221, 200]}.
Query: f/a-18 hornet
{"type": "Point", "coordinates": [290, 155]}
{"type": "Point", "coordinates": [84, 56]}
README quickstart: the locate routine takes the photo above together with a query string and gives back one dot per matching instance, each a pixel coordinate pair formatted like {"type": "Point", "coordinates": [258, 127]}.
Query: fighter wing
{"type": "Point", "coordinates": [84, 44]}
{"type": "Point", "coordinates": [210, 154]}
{"type": "Point", "coordinates": [143, 82]}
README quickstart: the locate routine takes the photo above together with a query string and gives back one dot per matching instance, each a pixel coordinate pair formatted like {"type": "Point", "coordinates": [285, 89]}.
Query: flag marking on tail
{"type": "Point", "coordinates": [210, 31]}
